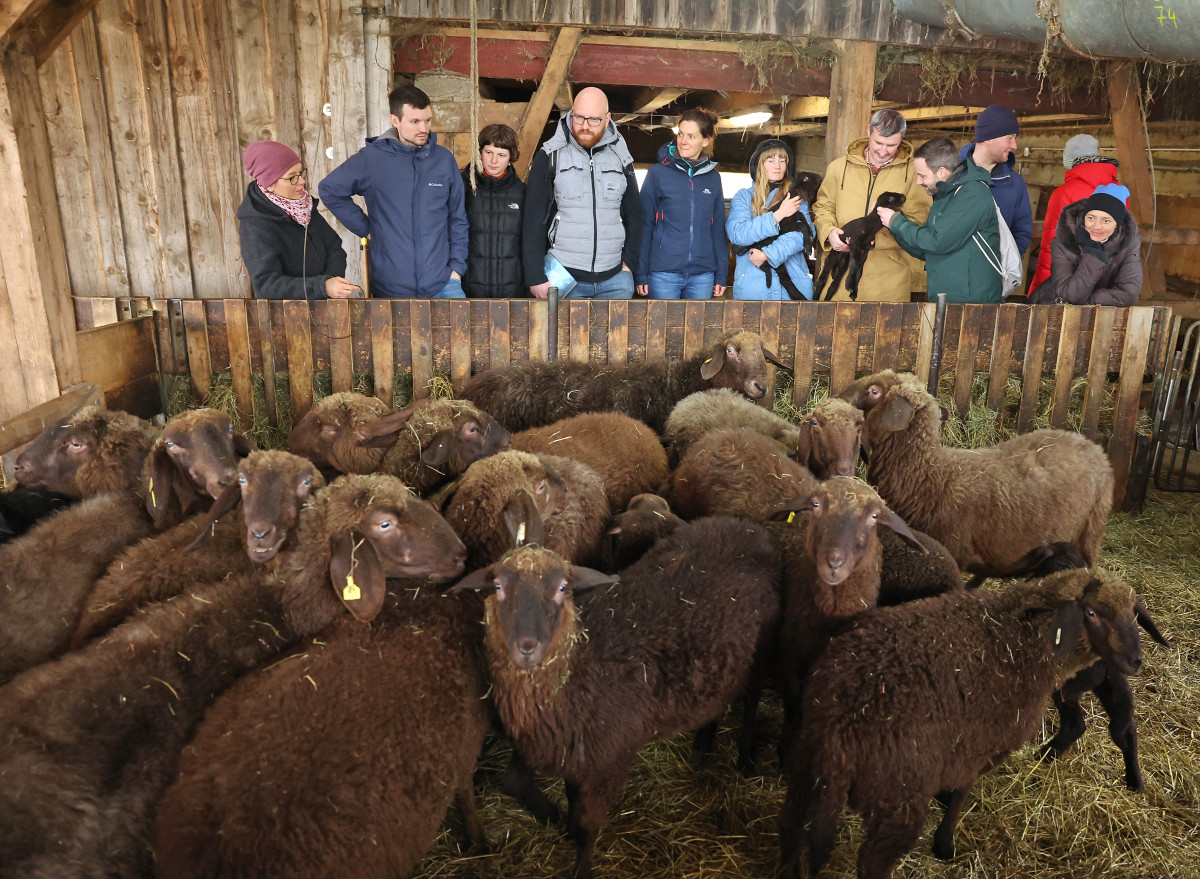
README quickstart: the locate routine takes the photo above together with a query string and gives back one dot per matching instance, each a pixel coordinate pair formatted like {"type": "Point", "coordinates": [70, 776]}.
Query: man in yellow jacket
{"type": "Point", "coordinates": [880, 162]}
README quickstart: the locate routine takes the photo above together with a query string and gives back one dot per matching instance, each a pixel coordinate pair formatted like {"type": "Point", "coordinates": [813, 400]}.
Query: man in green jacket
{"type": "Point", "coordinates": [960, 240]}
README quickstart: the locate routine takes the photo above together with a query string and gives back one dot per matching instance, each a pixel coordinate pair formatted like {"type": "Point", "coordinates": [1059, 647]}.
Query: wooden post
{"type": "Point", "coordinates": [538, 110]}
{"type": "Point", "coordinates": [851, 90]}
{"type": "Point", "coordinates": [40, 327]}
{"type": "Point", "coordinates": [1124, 98]}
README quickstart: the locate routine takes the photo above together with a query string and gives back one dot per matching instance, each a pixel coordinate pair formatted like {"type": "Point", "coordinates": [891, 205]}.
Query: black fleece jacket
{"type": "Point", "coordinates": [281, 263]}
{"type": "Point", "coordinates": [494, 213]}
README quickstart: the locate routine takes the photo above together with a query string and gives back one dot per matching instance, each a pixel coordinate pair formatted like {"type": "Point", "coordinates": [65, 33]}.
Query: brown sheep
{"type": "Point", "coordinates": [989, 506]}
{"type": "Point", "coordinates": [534, 393]}
{"type": "Point", "coordinates": [325, 434]}
{"type": "Point", "coordinates": [646, 518]}
{"type": "Point", "coordinates": [624, 452]}
{"type": "Point", "coordinates": [916, 701]}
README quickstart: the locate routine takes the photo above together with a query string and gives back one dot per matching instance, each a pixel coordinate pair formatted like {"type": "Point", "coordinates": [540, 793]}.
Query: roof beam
{"type": "Point", "coordinates": [648, 100]}
{"type": "Point", "coordinates": [538, 111]}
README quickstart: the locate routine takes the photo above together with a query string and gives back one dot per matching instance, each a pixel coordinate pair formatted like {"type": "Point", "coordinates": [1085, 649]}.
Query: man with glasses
{"type": "Point", "coordinates": [582, 207]}
{"type": "Point", "coordinates": [416, 216]}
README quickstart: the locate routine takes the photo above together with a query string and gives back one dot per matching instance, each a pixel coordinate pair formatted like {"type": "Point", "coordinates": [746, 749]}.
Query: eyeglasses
{"type": "Point", "coordinates": [590, 121]}
{"type": "Point", "coordinates": [293, 179]}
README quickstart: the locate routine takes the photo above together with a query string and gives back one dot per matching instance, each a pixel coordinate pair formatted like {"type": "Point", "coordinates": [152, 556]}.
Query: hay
{"type": "Point", "coordinates": [783, 57]}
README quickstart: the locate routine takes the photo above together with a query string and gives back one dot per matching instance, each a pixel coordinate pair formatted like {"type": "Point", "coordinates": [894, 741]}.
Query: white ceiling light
{"type": "Point", "coordinates": [749, 119]}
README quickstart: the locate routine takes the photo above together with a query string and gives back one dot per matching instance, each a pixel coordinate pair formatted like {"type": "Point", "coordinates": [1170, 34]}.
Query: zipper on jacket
{"type": "Point", "coordinates": [595, 217]}
{"type": "Point", "coordinates": [691, 222]}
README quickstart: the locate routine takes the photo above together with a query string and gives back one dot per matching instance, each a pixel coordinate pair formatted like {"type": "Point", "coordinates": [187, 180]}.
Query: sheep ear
{"type": "Point", "coordinates": [897, 413]}
{"type": "Point", "coordinates": [382, 431]}
{"type": "Point", "coordinates": [898, 525]}
{"type": "Point", "coordinates": [438, 451]}
{"type": "Point", "coordinates": [787, 510]}
{"type": "Point", "coordinates": [1066, 627]}
{"type": "Point", "coordinates": [767, 353]}
{"type": "Point", "coordinates": [804, 443]}
{"type": "Point", "coordinates": [357, 575]}
{"type": "Point", "coordinates": [1143, 618]}
{"type": "Point", "coordinates": [481, 579]}
{"type": "Point", "coordinates": [524, 521]}
{"type": "Point", "coordinates": [588, 578]}
{"type": "Point", "coordinates": [713, 364]}
{"type": "Point", "coordinates": [864, 442]}
{"type": "Point", "coordinates": [242, 444]}
{"type": "Point", "coordinates": [228, 500]}
{"type": "Point", "coordinates": [164, 483]}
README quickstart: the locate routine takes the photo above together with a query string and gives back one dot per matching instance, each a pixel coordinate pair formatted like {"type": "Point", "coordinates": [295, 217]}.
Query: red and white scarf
{"type": "Point", "coordinates": [299, 209]}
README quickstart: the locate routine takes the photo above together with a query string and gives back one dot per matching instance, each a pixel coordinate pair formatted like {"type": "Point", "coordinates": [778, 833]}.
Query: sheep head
{"type": "Point", "coordinates": [92, 451]}
{"type": "Point", "coordinates": [807, 184]}
{"type": "Point", "coordinates": [647, 517]}
{"type": "Point", "coordinates": [893, 200]}
{"type": "Point", "coordinates": [471, 436]}
{"type": "Point", "coordinates": [836, 435]}
{"type": "Point", "coordinates": [738, 361]}
{"type": "Point", "coordinates": [891, 400]}
{"type": "Point", "coordinates": [196, 456]}
{"type": "Point", "coordinates": [326, 435]}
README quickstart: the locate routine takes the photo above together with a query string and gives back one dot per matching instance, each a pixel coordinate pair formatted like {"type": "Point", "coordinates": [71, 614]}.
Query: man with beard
{"type": "Point", "coordinates": [582, 205]}
{"type": "Point", "coordinates": [417, 220]}
{"type": "Point", "coordinates": [994, 150]}
{"type": "Point", "coordinates": [960, 240]}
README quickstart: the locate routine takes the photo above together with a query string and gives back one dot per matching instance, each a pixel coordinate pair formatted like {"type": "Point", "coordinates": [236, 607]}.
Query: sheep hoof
{"type": "Point", "coordinates": [1049, 752]}
{"type": "Point", "coordinates": [1133, 781]}
{"type": "Point", "coordinates": [943, 849]}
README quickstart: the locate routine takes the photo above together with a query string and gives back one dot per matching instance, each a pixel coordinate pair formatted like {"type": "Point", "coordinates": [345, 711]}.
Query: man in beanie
{"type": "Point", "coordinates": [994, 150]}
{"type": "Point", "coordinates": [290, 251]}
{"type": "Point", "coordinates": [1086, 169]}
{"type": "Point", "coordinates": [415, 215]}
{"type": "Point", "coordinates": [1095, 257]}
{"type": "Point", "coordinates": [880, 162]}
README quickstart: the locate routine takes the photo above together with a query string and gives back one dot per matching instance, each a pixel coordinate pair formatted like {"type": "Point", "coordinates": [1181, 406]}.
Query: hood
{"type": "Point", "coordinates": [1071, 219]}
{"type": "Point", "coordinates": [965, 173]}
{"type": "Point", "coordinates": [1002, 170]}
{"type": "Point", "coordinates": [854, 153]}
{"type": "Point", "coordinates": [256, 206]}
{"type": "Point", "coordinates": [666, 156]}
{"type": "Point", "coordinates": [611, 139]}
{"type": "Point", "coordinates": [390, 140]}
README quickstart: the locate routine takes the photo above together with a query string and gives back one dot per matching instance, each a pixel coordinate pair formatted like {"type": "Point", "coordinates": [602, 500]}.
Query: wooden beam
{"type": "Point", "coordinates": [1124, 97]}
{"type": "Point", "coordinates": [810, 107]}
{"type": "Point", "coordinates": [13, 11]}
{"type": "Point", "coordinates": [944, 111]}
{"type": "Point", "coordinates": [32, 251]}
{"type": "Point", "coordinates": [565, 97]}
{"type": "Point", "coordinates": [538, 111]}
{"type": "Point", "coordinates": [851, 90]}
{"type": "Point", "coordinates": [54, 23]}
{"type": "Point", "coordinates": [1163, 235]}
{"type": "Point", "coordinates": [648, 100]}
{"type": "Point", "coordinates": [24, 428]}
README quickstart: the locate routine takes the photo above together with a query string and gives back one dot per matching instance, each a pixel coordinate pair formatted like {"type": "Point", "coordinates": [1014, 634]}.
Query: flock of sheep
{"type": "Point", "coordinates": [301, 689]}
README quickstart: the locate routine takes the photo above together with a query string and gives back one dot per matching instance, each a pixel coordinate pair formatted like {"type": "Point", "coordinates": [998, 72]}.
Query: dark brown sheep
{"type": "Point", "coordinates": [581, 689]}
{"type": "Point", "coordinates": [989, 506]}
{"type": "Point", "coordinates": [916, 701]}
{"type": "Point", "coordinates": [647, 518]}
{"type": "Point", "coordinates": [22, 508]}
{"type": "Point", "coordinates": [624, 452]}
{"type": "Point", "coordinates": [325, 433]}
{"type": "Point", "coordinates": [91, 741]}
{"type": "Point", "coordinates": [534, 393]}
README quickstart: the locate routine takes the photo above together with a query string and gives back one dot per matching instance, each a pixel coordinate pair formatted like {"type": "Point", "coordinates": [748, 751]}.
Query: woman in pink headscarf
{"type": "Point", "coordinates": [289, 249]}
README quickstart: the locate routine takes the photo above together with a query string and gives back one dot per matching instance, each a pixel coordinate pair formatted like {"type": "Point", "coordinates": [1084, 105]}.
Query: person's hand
{"type": "Point", "coordinates": [455, 275]}
{"type": "Point", "coordinates": [787, 207]}
{"type": "Point", "coordinates": [339, 288]}
{"type": "Point", "coordinates": [1088, 245]}
{"type": "Point", "coordinates": [757, 257]}
{"type": "Point", "coordinates": [836, 242]}
{"type": "Point", "coordinates": [718, 290]}
{"type": "Point", "coordinates": [540, 291]}
{"type": "Point", "coordinates": [625, 267]}
{"type": "Point", "coordinates": [886, 215]}
{"type": "Point", "coordinates": [643, 289]}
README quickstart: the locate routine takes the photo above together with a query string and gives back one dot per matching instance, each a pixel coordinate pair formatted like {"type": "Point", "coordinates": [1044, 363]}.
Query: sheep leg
{"type": "Point", "coordinates": [747, 763]}
{"type": "Point", "coordinates": [703, 743]}
{"type": "Point", "coordinates": [588, 802]}
{"type": "Point", "coordinates": [889, 834]}
{"type": "Point", "coordinates": [1116, 696]}
{"type": "Point", "coordinates": [943, 837]}
{"type": "Point", "coordinates": [823, 813]}
{"type": "Point", "coordinates": [520, 783]}
{"type": "Point", "coordinates": [1071, 720]}
{"type": "Point", "coordinates": [472, 826]}
{"type": "Point", "coordinates": [791, 827]}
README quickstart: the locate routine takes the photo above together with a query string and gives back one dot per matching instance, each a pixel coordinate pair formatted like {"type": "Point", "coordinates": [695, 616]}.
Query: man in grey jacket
{"type": "Point", "coordinates": [582, 205]}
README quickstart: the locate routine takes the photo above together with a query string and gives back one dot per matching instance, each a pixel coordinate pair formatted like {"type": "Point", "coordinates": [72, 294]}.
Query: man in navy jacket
{"type": "Point", "coordinates": [415, 212]}
{"type": "Point", "coordinates": [994, 150]}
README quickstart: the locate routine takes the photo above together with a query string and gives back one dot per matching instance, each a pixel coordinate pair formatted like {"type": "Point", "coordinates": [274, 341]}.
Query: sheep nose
{"type": "Point", "coordinates": [527, 646]}
{"type": "Point", "coordinates": [835, 561]}
{"type": "Point", "coordinates": [262, 535]}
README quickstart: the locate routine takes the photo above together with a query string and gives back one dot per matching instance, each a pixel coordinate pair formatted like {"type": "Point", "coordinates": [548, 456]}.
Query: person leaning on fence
{"type": "Point", "coordinates": [494, 211]}
{"type": "Point", "coordinates": [582, 205]}
{"type": "Point", "coordinates": [960, 239]}
{"type": "Point", "coordinates": [684, 251]}
{"type": "Point", "coordinates": [755, 214]}
{"type": "Point", "coordinates": [880, 162]}
{"type": "Point", "coordinates": [290, 251]}
{"type": "Point", "coordinates": [415, 215]}
{"type": "Point", "coordinates": [1095, 258]}
{"type": "Point", "coordinates": [1086, 169]}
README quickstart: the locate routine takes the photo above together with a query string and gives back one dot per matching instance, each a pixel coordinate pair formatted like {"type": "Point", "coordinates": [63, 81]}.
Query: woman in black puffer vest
{"type": "Point", "coordinates": [494, 212]}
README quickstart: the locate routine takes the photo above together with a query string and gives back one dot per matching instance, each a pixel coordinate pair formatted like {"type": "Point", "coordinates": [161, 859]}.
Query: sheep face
{"type": "Point", "coordinates": [474, 435]}
{"type": "Point", "coordinates": [646, 518]}
{"type": "Point", "coordinates": [326, 433]}
{"type": "Point", "coordinates": [203, 444]}
{"type": "Point", "coordinates": [739, 362]}
{"type": "Point", "coordinates": [836, 432]}
{"type": "Point", "coordinates": [94, 450]}
{"type": "Point", "coordinates": [273, 486]}
{"type": "Point", "coordinates": [1109, 612]}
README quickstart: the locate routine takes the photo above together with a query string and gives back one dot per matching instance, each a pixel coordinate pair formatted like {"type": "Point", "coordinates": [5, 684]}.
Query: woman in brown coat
{"type": "Point", "coordinates": [1095, 256]}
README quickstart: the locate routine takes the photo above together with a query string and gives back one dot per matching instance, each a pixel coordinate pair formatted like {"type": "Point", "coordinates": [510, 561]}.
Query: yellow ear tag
{"type": "Point", "coordinates": [520, 534]}
{"type": "Point", "coordinates": [791, 518]}
{"type": "Point", "coordinates": [708, 361]}
{"type": "Point", "coordinates": [153, 502]}
{"type": "Point", "coordinates": [1057, 637]}
{"type": "Point", "coordinates": [351, 592]}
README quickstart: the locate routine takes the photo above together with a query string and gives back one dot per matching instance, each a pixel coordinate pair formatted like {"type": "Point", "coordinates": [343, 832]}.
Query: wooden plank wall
{"type": "Point", "coordinates": [1110, 350]}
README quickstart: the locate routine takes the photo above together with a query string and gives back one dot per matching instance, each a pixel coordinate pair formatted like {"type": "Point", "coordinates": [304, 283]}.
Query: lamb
{"type": "Point", "coordinates": [623, 451]}
{"type": "Point", "coordinates": [646, 518]}
{"type": "Point", "coordinates": [22, 508]}
{"type": "Point", "coordinates": [917, 700]}
{"type": "Point", "coordinates": [827, 442]}
{"type": "Point", "coordinates": [859, 236]}
{"type": "Point", "coordinates": [989, 506]}
{"type": "Point", "coordinates": [91, 740]}
{"type": "Point", "coordinates": [533, 393]}
{"type": "Point", "coordinates": [581, 689]}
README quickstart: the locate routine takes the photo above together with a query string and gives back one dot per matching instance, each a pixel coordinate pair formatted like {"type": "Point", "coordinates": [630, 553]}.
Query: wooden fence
{"type": "Point", "coordinates": [1112, 349]}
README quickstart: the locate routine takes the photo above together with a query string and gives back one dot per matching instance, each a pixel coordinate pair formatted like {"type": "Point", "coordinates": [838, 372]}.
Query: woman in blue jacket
{"type": "Point", "coordinates": [754, 216]}
{"type": "Point", "coordinates": [684, 252]}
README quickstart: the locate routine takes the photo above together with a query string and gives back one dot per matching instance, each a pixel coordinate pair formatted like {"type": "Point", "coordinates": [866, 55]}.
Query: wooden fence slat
{"type": "Point", "coordinates": [845, 346]}
{"type": "Point", "coordinates": [297, 329]}
{"type": "Point", "coordinates": [1031, 371]}
{"type": "Point", "coordinates": [734, 317]}
{"type": "Point", "coordinates": [260, 310]}
{"type": "Point", "coordinates": [1002, 341]}
{"type": "Point", "coordinates": [693, 327]}
{"type": "Point", "coordinates": [421, 325]}
{"type": "Point", "coordinates": [383, 366]}
{"type": "Point", "coordinates": [769, 331]}
{"type": "Point", "coordinates": [341, 345]}
{"type": "Point", "coordinates": [964, 367]}
{"type": "Point", "coordinates": [580, 322]}
{"type": "Point", "coordinates": [656, 330]}
{"type": "Point", "coordinates": [802, 367]}
{"type": "Point", "coordinates": [1129, 392]}
{"type": "Point", "coordinates": [618, 332]}
{"type": "Point", "coordinates": [500, 334]}
{"type": "Point", "coordinates": [239, 358]}
{"type": "Point", "coordinates": [1064, 368]}
{"type": "Point", "coordinates": [195, 327]}
{"type": "Point", "coordinates": [928, 313]}
{"type": "Point", "coordinates": [887, 336]}
{"type": "Point", "coordinates": [539, 330]}
{"type": "Point", "coordinates": [460, 343]}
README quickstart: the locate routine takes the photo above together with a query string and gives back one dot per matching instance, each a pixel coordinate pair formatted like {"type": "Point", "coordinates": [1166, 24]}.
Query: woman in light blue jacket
{"type": "Point", "coordinates": [754, 216]}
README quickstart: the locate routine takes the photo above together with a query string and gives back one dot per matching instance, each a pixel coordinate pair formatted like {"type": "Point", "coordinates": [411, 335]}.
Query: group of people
{"type": "Point", "coordinates": [579, 221]}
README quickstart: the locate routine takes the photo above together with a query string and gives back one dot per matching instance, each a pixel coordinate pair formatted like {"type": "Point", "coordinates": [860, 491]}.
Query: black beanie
{"type": "Point", "coordinates": [771, 143]}
{"type": "Point", "coordinates": [1102, 201]}
{"type": "Point", "coordinates": [996, 121]}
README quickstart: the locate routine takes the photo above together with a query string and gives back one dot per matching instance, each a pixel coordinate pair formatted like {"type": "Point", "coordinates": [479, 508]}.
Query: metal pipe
{"type": "Point", "coordinates": [939, 331]}
{"type": "Point", "coordinates": [552, 342]}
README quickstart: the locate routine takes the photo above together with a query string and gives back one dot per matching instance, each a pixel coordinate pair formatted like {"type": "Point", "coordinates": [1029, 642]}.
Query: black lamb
{"type": "Point", "coordinates": [859, 236]}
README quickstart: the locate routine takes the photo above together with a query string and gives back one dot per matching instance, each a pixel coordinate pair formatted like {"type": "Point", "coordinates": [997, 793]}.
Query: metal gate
{"type": "Point", "coordinates": [1175, 458]}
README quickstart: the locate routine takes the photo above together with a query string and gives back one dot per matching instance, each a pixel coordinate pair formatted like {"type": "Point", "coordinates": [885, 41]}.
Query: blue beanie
{"type": "Point", "coordinates": [995, 121]}
{"type": "Point", "coordinates": [1110, 198]}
